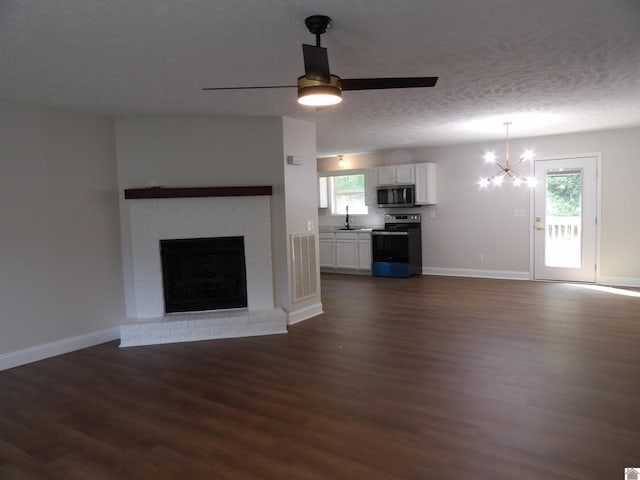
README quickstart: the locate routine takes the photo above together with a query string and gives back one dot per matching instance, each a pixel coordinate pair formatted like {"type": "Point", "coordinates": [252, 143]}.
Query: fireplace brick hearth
{"type": "Point", "coordinates": [188, 327]}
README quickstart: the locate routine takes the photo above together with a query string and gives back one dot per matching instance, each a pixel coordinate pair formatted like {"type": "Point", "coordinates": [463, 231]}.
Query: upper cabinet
{"type": "Point", "coordinates": [425, 183]}
{"type": "Point", "coordinates": [370, 184]}
{"type": "Point", "coordinates": [405, 174]}
{"type": "Point", "coordinates": [396, 175]}
{"type": "Point", "coordinates": [323, 192]}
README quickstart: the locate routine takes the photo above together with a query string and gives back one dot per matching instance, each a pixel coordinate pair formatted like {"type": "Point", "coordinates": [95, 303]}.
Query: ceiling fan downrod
{"type": "Point", "coordinates": [318, 25]}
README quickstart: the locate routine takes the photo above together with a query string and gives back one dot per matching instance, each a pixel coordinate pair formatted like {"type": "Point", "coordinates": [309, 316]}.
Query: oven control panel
{"type": "Point", "coordinates": [402, 218]}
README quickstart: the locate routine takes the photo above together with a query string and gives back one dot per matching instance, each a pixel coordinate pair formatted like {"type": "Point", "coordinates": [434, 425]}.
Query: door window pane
{"type": "Point", "coordinates": [563, 245]}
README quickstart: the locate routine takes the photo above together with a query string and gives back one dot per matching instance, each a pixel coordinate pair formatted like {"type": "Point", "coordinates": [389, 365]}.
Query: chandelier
{"type": "Point", "coordinates": [507, 168]}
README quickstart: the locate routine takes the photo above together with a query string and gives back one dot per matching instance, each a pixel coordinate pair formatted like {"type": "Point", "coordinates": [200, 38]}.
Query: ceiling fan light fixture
{"type": "Point", "coordinates": [316, 93]}
{"type": "Point", "coordinates": [318, 88]}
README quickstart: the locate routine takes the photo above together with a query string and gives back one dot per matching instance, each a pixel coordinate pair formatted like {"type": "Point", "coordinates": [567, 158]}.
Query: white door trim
{"type": "Point", "coordinates": [598, 156]}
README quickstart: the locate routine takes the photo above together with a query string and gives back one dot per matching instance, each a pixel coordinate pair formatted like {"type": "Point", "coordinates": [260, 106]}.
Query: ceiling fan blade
{"type": "Point", "coordinates": [316, 63]}
{"type": "Point", "coordinates": [249, 88]}
{"type": "Point", "coordinates": [384, 83]}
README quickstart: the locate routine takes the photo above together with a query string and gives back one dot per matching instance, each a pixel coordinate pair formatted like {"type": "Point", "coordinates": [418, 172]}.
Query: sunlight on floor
{"type": "Point", "coordinates": [613, 290]}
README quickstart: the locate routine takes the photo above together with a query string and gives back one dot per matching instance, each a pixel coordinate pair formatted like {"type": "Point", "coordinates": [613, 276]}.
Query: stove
{"type": "Point", "coordinates": [397, 249]}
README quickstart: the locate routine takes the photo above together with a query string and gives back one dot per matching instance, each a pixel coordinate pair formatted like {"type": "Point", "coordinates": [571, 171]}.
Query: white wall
{"type": "Point", "coordinates": [199, 151]}
{"type": "Point", "coordinates": [301, 203]}
{"type": "Point", "coordinates": [221, 151]}
{"type": "Point", "coordinates": [469, 220]}
{"type": "Point", "coordinates": [191, 152]}
{"type": "Point", "coordinates": [60, 274]}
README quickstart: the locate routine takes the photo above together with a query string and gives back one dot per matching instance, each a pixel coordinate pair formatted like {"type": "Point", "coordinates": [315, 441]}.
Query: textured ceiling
{"type": "Point", "coordinates": [550, 66]}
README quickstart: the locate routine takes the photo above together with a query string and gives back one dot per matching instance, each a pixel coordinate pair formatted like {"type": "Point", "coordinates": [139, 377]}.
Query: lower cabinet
{"type": "Point", "coordinates": [364, 253]}
{"type": "Point", "coordinates": [346, 252]}
{"type": "Point", "coordinates": [349, 251]}
{"type": "Point", "coordinates": [327, 250]}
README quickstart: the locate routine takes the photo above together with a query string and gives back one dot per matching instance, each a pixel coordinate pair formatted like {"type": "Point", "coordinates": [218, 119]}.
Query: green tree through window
{"type": "Point", "coordinates": [348, 190]}
{"type": "Point", "coordinates": [564, 194]}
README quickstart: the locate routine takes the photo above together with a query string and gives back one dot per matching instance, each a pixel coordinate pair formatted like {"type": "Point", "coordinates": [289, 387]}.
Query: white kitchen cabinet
{"type": "Point", "coordinates": [370, 184]}
{"type": "Point", "coordinates": [323, 192]}
{"type": "Point", "coordinates": [345, 251]}
{"type": "Point", "coordinates": [327, 250]}
{"type": "Point", "coordinates": [405, 174]}
{"type": "Point", "coordinates": [386, 175]}
{"type": "Point", "coordinates": [396, 175]}
{"type": "Point", "coordinates": [364, 251]}
{"type": "Point", "coordinates": [425, 175]}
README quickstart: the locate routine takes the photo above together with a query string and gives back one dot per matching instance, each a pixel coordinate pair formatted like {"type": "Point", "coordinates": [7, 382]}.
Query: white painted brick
{"type": "Point", "coordinates": [204, 326]}
{"type": "Point", "coordinates": [152, 220]}
{"type": "Point", "coordinates": [199, 217]}
{"type": "Point", "coordinates": [146, 328]}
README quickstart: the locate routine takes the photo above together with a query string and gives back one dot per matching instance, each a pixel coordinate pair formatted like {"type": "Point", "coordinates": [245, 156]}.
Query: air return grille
{"type": "Point", "coordinates": [303, 264]}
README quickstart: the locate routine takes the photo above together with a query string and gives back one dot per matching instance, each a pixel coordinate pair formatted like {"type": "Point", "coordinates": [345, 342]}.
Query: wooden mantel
{"type": "Point", "coordinates": [190, 192]}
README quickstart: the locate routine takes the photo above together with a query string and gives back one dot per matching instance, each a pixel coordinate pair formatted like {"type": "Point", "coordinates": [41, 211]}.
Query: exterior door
{"type": "Point", "coordinates": [565, 223]}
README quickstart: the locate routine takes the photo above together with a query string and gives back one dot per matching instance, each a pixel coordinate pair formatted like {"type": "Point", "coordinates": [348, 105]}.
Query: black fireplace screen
{"type": "Point", "coordinates": [203, 274]}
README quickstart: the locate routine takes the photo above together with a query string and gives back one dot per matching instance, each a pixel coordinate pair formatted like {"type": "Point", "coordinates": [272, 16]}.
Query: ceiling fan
{"type": "Point", "coordinates": [318, 87]}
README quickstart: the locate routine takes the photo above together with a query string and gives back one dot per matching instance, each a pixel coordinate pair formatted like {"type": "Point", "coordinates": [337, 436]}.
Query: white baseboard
{"type": "Point", "coordinates": [350, 271]}
{"type": "Point", "coordinates": [620, 281]}
{"type": "Point", "coordinates": [468, 272]}
{"type": "Point", "coordinates": [304, 313]}
{"type": "Point", "coordinates": [516, 275]}
{"type": "Point", "coordinates": [66, 345]}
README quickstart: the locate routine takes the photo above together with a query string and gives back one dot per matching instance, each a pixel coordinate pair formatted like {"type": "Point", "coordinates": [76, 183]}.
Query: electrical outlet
{"type": "Point", "coordinates": [309, 225]}
{"type": "Point", "coordinates": [481, 257]}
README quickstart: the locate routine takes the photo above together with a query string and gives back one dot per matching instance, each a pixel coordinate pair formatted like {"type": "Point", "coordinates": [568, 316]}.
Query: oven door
{"type": "Point", "coordinates": [390, 246]}
{"type": "Point", "coordinates": [390, 254]}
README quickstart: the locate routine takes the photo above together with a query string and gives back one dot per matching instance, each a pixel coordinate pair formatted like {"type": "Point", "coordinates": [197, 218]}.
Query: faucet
{"type": "Point", "coordinates": [346, 223]}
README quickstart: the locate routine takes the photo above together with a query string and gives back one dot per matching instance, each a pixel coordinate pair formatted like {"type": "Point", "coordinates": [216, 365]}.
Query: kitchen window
{"type": "Point", "coordinates": [347, 190]}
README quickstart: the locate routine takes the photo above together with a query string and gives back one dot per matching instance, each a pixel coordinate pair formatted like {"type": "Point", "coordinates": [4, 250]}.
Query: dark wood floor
{"type": "Point", "coordinates": [426, 378]}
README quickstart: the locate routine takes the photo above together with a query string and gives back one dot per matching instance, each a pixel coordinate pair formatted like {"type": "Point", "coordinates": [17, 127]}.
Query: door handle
{"type": "Point", "coordinates": [539, 227]}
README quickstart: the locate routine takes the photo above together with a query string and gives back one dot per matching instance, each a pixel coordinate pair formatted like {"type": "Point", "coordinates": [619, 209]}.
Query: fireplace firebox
{"type": "Point", "coordinates": [203, 274]}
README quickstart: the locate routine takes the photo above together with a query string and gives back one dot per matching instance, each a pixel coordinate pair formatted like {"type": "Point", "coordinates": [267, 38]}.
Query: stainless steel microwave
{"type": "Point", "coordinates": [396, 196]}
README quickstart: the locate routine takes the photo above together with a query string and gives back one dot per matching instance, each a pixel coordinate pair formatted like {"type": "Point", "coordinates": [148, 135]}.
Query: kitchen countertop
{"type": "Point", "coordinates": [355, 229]}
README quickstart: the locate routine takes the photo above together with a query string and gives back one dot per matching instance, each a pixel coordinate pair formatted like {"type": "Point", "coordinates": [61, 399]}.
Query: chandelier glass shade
{"type": "Point", "coordinates": [507, 168]}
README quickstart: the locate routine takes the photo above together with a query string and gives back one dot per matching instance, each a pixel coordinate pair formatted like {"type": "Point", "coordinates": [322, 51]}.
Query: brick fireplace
{"type": "Point", "coordinates": [153, 220]}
